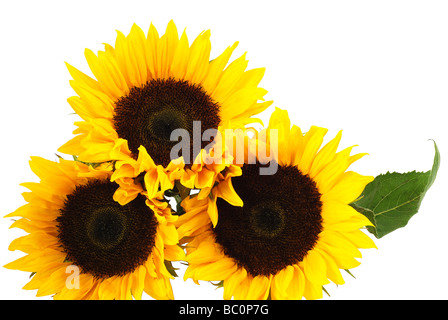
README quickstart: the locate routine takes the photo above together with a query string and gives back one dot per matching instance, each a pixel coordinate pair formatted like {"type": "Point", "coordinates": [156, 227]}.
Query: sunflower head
{"type": "Point", "coordinates": [118, 251]}
{"type": "Point", "coordinates": [292, 231]}
{"type": "Point", "coordinates": [154, 92]}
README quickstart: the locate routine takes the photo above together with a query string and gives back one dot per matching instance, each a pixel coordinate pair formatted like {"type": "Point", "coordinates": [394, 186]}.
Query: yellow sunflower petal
{"type": "Point", "coordinates": [349, 187]}
{"type": "Point", "coordinates": [313, 140]}
{"type": "Point", "coordinates": [228, 193]}
{"type": "Point", "coordinates": [229, 78]}
{"type": "Point", "coordinates": [296, 287]}
{"type": "Point", "coordinates": [325, 155]}
{"type": "Point", "coordinates": [199, 58]}
{"type": "Point", "coordinates": [159, 288]}
{"type": "Point", "coordinates": [138, 282]}
{"type": "Point", "coordinates": [314, 267]}
{"type": "Point", "coordinates": [333, 272]}
{"type": "Point", "coordinates": [53, 282]}
{"type": "Point", "coordinates": [216, 67]}
{"type": "Point", "coordinates": [233, 282]}
{"type": "Point", "coordinates": [312, 291]}
{"type": "Point", "coordinates": [216, 271]}
{"type": "Point", "coordinates": [280, 283]}
{"type": "Point", "coordinates": [259, 288]}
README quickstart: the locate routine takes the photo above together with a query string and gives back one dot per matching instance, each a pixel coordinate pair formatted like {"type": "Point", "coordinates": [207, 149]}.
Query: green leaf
{"type": "Point", "coordinates": [391, 199]}
{"type": "Point", "coordinates": [179, 209]}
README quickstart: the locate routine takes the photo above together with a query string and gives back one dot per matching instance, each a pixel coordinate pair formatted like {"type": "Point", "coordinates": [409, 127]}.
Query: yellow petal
{"type": "Point", "coordinates": [86, 283]}
{"type": "Point", "coordinates": [325, 155]}
{"type": "Point", "coordinates": [191, 221]}
{"type": "Point", "coordinates": [251, 78]}
{"type": "Point", "coordinates": [82, 77]}
{"type": "Point", "coordinates": [330, 175]}
{"type": "Point", "coordinates": [312, 291]}
{"type": "Point", "coordinates": [348, 188]}
{"type": "Point", "coordinates": [312, 141]}
{"type": "Point", "coordinates": [166, 49]}
{"type": "Point", "coordinates": [102, 106]}
{"type": "Point", "coordinates": [181, 58]}
{"type": "Point", "coordinates": [159, 288]}
{"type": "Point", "coordinates": [241, 101]}
{"type": "Point", "coordinates": [37, 260]}
{"type": "Point", "coordinates": [215, 271]}
{"type": "Point", "coordinates": [335, 211]}
{"type": "Point", "coordinates": [233, 282]}
{"type": "Point", "coordinates": [53, 282]}
{"type": "Point", "coordinates": [296, 287]}
{"type": "Point", "coordinates": [280, 120]}
{"type": "Point", "coordinates": [174, 253]}
{"type": "Point", "coordinates": [109, 289]}
{"type": "Point", "coordinates": [37, 240]}
{"type": "Point", "coordinates": [216, 68]}
{"type": "Point", "coordinates": [204, 179]}
{"type": "Point", "coordinates": [126, 61]}
{"type": "Point", "coordinates": [342, 252]}
{"type": "Point", "coordinates": [360, 239]}
{"type": "Point", "coordinates": [228, 193]}
{"type": "Point", "coordinates": [333, 272]}
{"type": "Point", "coordinates": [199, 58]}
{"type": "Point", "coordinates": [169, 233]}
{"type": "Point", "coordinates": [280, 283]}
{"type": "Point", "coordinates": [138, 282]}
{"type": "Point", "coordinates": [105, 68]}
{"type": "Point", "coordinates": [136, 40]}
{"type": "Point", "coordinates": [296, 145]}
{"type": "Point", "coordinates": [315, 268]}
{"type": "Point", "coordinates": [152, 41]}
{"type": "Point", "coordinates": [259, 288]}
{"type": "Point", "coordinates": [353, 224]}
{"type": "Point", "coordinates": [205, 253]}
{"type": "Point", "coordinates": [241, 291]}
{"type": "Point", "coordinates": [230, 78]}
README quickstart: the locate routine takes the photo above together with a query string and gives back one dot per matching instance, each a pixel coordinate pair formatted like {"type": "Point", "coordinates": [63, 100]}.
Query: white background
{"type": "Point", "coordinates": [376, 69]}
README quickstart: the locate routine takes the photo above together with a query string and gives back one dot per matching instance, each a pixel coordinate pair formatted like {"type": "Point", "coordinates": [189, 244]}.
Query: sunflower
{"type": "Point", "coordinates": [146, 87]}
{"type": "Point", "coordinates": [281, 235]}
{"type": "Point", "coordinates": [81, 244]}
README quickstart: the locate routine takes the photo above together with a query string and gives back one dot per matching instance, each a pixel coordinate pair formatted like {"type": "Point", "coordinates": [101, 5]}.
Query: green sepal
{"type": "Point", "coordinates": [170, 268]}
{"type": "Point", "coordinates": [94, 165]}
{"type": "Point", "coordinates": [219, 284]}
{"type": "Point", "coordinates": [350, 273]}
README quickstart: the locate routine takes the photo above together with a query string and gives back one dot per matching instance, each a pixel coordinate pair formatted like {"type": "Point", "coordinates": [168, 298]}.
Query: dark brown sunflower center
{"type": "Point", "coordinates": [267, 219]}
{"type": "Point", "coordinates": [162, 123]}
{"type": "Point", "coordinates": [102, 237]}
{"type": "Point", "coordinates": [149, 114]}
{"type": "Point", "coordinates": [106, 227]}
{"type": "Point", "coordinates": [278, 224]}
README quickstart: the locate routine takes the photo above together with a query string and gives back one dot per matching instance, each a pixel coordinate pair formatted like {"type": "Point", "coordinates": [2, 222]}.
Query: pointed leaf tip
{"type": "Point", "coordinates": [391, 199]}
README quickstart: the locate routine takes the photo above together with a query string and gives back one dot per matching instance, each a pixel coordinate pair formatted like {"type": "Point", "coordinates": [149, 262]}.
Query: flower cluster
{"type": "Point", "coordinates": [167, 166]}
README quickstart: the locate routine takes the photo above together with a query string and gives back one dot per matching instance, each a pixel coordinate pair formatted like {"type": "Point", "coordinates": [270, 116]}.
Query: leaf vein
{"type": "Point", "coordinates": [391, 191]}
{"type": "Point", "coordinates": [398, 206]}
